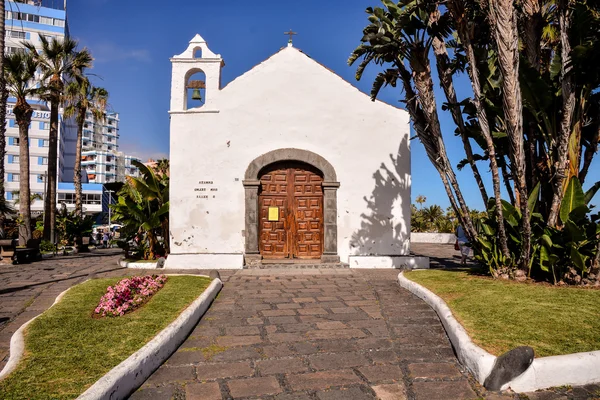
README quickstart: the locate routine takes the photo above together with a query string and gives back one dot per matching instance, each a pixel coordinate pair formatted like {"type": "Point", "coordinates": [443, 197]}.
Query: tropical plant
{"type": "Point", "coordinates": [143, 209]}
{"type": "Point", "coordinates": [421, 200]}
{"type": "Point", "coordinates": [58, 60]}
{"type": "Point", "coordinates": [534, 111]}
{"type": "Point", "coordinates": [72, 227]}
{"type": "Point", "coordinates": [19, 72]}
{"type": "Point", "coordinates": [80, 97]}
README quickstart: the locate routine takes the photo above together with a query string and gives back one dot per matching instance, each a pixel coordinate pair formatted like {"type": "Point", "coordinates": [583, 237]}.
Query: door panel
{"type": "Point", "coordinates": [296, 189]}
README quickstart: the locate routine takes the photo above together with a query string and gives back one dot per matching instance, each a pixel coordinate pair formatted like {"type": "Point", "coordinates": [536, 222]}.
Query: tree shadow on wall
{"type": "Point", "coordinates": [385, 228]}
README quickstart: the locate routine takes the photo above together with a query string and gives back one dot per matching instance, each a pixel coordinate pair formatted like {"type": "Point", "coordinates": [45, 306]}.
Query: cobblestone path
{"type": "Point", "coordinates": [337, 334]}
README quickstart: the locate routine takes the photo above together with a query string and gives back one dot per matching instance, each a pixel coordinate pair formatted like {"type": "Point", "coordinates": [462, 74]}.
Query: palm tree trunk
{"type": "Point", "coordinates": [445, 73]}
{"type": "Point", "coordinates": [3, 98]}
{"type": "Point", "coordinates": [532, 29]}
{"type": "Point", "coordinates": [24, 186]}
{"type": "Point", "coordinates": [568, 94]}
{"type": "Point", "coordinates": [457, 10]}
{"type": "Point", "coordinates": [50, 201]}
{"type": "Point", "coordinates": [420, 124]}
{"type": "Point", "coordinates": [424, 84]}
{"type": "Point", "coordinates": [504, 22]}
{"type": "Point", "coordinates": [77, 169]}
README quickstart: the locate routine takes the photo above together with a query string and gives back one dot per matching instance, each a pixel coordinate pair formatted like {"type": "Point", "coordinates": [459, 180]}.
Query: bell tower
{"type": "Point", "coordinates": [196, 79]}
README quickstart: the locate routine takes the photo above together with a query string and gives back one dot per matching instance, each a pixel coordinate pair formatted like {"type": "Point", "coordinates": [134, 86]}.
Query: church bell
{"type": "Point", "coordinates": [196, 95]}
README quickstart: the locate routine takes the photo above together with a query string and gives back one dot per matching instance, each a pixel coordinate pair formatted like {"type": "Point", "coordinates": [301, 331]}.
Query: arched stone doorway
{"type": "Point", "coordinates": [303, 222]}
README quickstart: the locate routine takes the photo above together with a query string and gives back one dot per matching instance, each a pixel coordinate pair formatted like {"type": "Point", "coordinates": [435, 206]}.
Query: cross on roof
{"type": "Point", "coordinates": [291, 34]}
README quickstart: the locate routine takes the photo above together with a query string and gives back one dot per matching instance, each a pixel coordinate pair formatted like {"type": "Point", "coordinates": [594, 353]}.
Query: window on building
{"type": "Point", "coordinates": [46, 126]}
{"type": "Point", "coordinates": [90, 198]}
{"type": "Point", "coordinates": [13, 177]}
{"type": "Point", "coordinates": [16, 34]}
{"type": "Point", "coordinates": [33, 18]}
{"type": "Point", "coordinates": [108, 168]}
{"type": "Point", "coordinates": [40, 179]}
{"type": "Point", "coordinates": [13, 159]}
{"type": "Point", "coordinates": [42, 160]}
{"type": "Point", "coordinates": [109, 147]}
{"type": "Point", "coordinates": [59, 22]}
{"type": "Point", "coordinates": [45, 143]}
{"type": "Point", "coordinates": [46, 21]}
{"type": "Point", "coordinates": [66, 197]}
{"type": "Point", "coordinates": [11, 50]}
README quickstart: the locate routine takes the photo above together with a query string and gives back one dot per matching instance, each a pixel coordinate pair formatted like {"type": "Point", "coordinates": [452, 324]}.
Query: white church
{"type": "Point", "coordinates": [287, 164]}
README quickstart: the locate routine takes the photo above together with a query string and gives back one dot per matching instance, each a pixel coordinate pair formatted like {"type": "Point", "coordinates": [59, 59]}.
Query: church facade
{"type": "Point", "coordinates": [288, 163]}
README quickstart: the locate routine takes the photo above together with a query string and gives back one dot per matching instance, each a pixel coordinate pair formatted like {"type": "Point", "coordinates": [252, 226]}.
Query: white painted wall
{"type": "Point", "coordinates": [426, 237]}
{"type": "Point", "coordinates": [288, 101]}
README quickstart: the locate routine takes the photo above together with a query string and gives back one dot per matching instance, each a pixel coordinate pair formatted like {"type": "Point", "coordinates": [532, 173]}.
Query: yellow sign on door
{"type": "Point", "coordinates": [273, 213]}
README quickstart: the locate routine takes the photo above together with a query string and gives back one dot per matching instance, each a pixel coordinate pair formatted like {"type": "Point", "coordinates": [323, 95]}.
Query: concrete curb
{"type": "Point", "coordinates": [17, 342]}
{"type": "Point", "coordinates": [139, 265]}
{"type": "Point", "coordinates": [571, 369]}
{"type": "Point", "coordinates": [122, 380]}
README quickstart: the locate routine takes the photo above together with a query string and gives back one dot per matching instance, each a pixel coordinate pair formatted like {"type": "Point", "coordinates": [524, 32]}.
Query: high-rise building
{"type": "Point", "coordinates": [28, 21]}
{"type": "Point", "coordinates": [102, 162]}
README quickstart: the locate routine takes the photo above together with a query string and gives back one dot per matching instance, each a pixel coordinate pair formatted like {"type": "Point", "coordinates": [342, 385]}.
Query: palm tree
{"type": "Point", "coordinates": [19, 71]}
{"type": "Point", "coordinates": [57, 59]}
{"type": "Point", "coordinates": [80, 97]}
{"type": "Point", "coordinates": [459, 12]}
{"type": "Point", "coordinates": [403, 33]}
{"type": "Point", "coordinates": [421, 200]}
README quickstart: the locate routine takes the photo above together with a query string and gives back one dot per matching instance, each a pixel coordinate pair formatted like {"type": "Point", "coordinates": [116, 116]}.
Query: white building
{"type": "Point", "coordinates": [287, 163]}
{"type": "Point", "coordinates": [27, 22]}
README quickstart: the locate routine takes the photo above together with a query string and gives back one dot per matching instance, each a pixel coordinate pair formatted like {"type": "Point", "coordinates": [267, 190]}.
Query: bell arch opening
{"type": "Point", "coordinates": [195, 89]}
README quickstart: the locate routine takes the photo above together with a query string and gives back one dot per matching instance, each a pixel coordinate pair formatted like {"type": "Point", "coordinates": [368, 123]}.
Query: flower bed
{"type": "Point", "coordinates": [129, 294]}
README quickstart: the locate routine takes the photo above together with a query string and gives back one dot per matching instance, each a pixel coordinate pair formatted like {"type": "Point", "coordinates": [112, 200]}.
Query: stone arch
{"type": "Point", "coordinates": [251, 184]}
{"type": "Point", "coordinates": [305, 156]}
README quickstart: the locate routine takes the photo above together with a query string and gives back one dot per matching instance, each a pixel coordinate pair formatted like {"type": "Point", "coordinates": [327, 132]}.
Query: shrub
{"type": "Point", "coordinates": [47, 246]}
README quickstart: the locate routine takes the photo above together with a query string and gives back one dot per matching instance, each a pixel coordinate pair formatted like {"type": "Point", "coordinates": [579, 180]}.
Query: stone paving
{"type": "Point", "coordinates": [314, 334]}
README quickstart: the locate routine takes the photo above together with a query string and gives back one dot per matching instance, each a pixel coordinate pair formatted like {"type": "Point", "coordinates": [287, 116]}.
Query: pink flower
{"type": "Point", "coordinates": [127, 294]}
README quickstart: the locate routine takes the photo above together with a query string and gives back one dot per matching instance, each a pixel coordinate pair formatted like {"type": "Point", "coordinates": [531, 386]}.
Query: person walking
{"type": "Point", "coordinates": [105, 240]}
{"type": "Point", "coordinates": [463, 245]}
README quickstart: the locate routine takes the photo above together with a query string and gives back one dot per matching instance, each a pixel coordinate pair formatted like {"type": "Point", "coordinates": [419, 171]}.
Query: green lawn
{"type": "Point", "coordinates": [501, 315]}
{"type": "Point", "coordinates": [67, 350]}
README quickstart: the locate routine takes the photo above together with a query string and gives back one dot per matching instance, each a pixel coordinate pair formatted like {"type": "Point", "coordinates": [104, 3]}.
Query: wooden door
{"type": "Point", "coordinates": [295, 189]}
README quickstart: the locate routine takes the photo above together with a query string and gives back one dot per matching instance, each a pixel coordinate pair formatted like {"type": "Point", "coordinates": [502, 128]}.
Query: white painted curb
{"type": "Point", "coordinates": [570, 369]}
{"type": "Point", "coordinates": [122, 380]}
{"type": "Point", "coordinates": [17, 342]}
{"type": "Point", "coordinates": [139, 265]}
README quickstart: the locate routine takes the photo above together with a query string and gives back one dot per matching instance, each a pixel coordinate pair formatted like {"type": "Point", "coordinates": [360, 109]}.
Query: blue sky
{"type": "Point", "coordinates": [132, 42]}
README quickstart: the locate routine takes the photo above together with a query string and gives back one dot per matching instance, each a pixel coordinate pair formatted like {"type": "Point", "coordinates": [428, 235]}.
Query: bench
{"type": "Point", "coordinates": [7, 248]}
{"type": "Point", "coordinates": [31, 252]}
